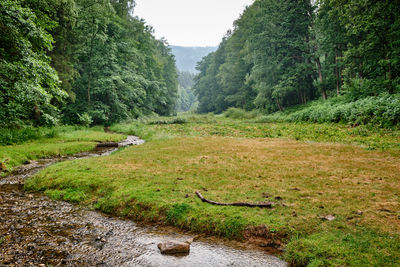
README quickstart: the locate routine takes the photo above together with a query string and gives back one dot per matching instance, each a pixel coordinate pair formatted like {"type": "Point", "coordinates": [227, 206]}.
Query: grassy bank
{"type": "Point", "coordinates": [308, 171]}
{"type": "Point", "coordinates": [60, 141]}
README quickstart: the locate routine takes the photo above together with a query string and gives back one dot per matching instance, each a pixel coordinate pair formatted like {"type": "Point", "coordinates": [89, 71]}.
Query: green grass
{"type": "Point", "coordinates": [313, 169]}
{"type": "Point", "coordinates": [68, 140]}
{"type": "Point", "coordinates": [209, 125]}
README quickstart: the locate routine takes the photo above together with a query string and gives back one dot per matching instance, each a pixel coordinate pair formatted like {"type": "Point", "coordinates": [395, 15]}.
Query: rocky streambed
{"type": "Point", "coordinates": [38, 231]}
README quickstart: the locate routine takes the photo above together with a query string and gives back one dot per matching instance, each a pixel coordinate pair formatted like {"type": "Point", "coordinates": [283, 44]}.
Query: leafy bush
{"type": "Point", "coordinates": [382, 111]}
{"type": "Point", "coordinates": [85, 119]}
{"type": "Point", "coordinates": [169, 121]}
{"type": "Point", "coordinates": [238, 113]}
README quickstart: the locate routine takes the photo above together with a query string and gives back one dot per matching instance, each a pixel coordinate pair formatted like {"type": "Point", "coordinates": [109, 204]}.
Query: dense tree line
{"type": "Point", "coordinates": [74, 59]}
{"type": "Point", "coordinates": [283, 53]}
{"type": "Point", "coordinates": [186, 97]}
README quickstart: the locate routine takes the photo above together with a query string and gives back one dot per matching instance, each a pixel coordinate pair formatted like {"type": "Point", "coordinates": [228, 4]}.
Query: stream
{"type": "Point", "coordinates": [38, 231]}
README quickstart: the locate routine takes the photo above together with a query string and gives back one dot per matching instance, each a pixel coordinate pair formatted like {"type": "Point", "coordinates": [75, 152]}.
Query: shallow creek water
{"type": "Point", "coordinates": [38, 231]}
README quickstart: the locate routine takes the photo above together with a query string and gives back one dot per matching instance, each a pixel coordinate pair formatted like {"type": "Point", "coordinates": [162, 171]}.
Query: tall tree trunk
{"type": "Point", "coordinates": [337, 72]}
{"type": "Point", "coordinates": [321, 80]}
{"type": "Point", "coordinates": [88, 89]}
{"type": "Point", "coordinates": [388, 73]}
{"type": "Point", "coordinates": [279, 105]}
{"type": "Point", "coordinates": [36, 113]}
{"type": "Point", "coordinates": [90, 62]}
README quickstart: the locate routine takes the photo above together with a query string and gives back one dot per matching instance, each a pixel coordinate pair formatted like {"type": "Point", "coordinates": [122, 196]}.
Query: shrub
{"type": "Point", "coordinates": [17, 136]}
{"type": "Point", "coordinates": [381, 111]}
{"type": "Point", "coordinates": [238, 113]}
{"type": "Point", "coordinates": [169, 121]}
{"type": "Point", "coordinates": [85, 119]}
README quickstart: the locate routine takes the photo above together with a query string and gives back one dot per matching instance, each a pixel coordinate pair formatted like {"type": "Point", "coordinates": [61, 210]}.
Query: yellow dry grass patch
{"type": "Point", "coordinates": [311, 178]}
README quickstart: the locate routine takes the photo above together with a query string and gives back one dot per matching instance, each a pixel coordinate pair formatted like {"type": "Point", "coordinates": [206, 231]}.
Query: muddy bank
{"type": "Point", "coordinates": [36, 230]}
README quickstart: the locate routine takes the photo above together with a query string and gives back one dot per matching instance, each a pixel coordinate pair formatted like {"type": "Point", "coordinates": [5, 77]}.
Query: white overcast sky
{"type": "Point", "coordinates": [190, 22]}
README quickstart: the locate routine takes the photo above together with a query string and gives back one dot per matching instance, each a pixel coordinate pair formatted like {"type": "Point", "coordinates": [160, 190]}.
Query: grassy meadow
{"type": "Point", "coordinates": [41, 143]}
{"type": "Point", "coordinates": [309, 171]}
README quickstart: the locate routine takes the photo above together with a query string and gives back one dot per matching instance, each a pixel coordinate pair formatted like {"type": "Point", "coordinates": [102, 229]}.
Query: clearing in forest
{"type": "Point", "coordinates": [308, 182]}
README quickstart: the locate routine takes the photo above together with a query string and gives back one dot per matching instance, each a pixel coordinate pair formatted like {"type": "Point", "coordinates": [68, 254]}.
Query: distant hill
{"type": "Point", "coordinates": [187, 57]}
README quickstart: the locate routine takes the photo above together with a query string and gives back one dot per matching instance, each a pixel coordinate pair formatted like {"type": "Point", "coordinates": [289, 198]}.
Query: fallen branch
{"type": "Point", "coordinates": [240, 204]}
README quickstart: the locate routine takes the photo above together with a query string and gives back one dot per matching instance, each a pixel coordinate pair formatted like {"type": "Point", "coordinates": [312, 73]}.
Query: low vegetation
{"type": "Point", "coordinates": [30, 144]}
{"type": "Point", "coordinates": [309, 171]}
{"type": "Point", "coordinates": [209, 125]}
{"type": "Point", "coordinates": [379, 111]}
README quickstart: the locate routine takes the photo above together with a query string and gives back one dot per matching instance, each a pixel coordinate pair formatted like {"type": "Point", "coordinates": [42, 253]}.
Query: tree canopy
{"type": "Point", "coordinates": [283, 53]}
{"type": "Point", "coordinates": [62, 59]}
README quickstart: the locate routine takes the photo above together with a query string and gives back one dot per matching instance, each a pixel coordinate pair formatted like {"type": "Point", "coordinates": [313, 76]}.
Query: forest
{"type": "Point", "coordinates": [80, 62]}
{"type": "Point", "coordinates": [332, 61]}
{"type": "Point", "coordinates": [281, 149]}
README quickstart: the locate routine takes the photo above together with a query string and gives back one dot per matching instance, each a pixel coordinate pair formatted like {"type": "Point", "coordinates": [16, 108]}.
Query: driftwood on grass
{"type": "Point", "coordinates": [240, 204]}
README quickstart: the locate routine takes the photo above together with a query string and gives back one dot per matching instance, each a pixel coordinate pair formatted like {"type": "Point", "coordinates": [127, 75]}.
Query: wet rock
{"type": "Point", "coordinates": [174, 247]}
{"type": "Point", "coordinates": [328, 218]}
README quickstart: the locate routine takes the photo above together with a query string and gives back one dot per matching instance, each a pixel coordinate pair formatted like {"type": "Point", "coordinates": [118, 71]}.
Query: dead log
{"type": "Point", "coordinates": [240, 204]}
{"type": "Point", "coordinates": [108, 144]}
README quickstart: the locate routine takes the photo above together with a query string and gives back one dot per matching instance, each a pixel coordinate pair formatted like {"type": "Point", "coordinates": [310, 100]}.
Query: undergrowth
{"type": "Point", "coordinates": [377, 111]}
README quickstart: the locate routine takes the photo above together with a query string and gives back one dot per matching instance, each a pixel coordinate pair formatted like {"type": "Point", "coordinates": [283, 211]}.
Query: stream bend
{"type": "Point", "coordinates": [36, 230]}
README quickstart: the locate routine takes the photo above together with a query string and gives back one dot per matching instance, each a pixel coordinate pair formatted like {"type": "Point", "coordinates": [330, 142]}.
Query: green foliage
{"type": "Point", "coordinates": [18, 136]}
{"type": "Point", "coordinates": [237, 113]}
{"type": "Point", "coordinates": [380, 111]}
{"type": "Point", "coordinates": [285, 53]}
{"type": "Point", "coordinates": [124, 71]}
{"type": "Point", "coordinates": [85, 119]}
{"type": "Point", "coordinates": [29, 86]}
{"type": "Point", "coordinates": [372, 54]}
{"type": "Point", "coordinates": [252, 68]}
{"type": "Point", "coordinates": [186, 97]}
{"type": "Point", "coordinates": [176, 120]}
{"type": "Point", "coordinates": [110, 65]}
